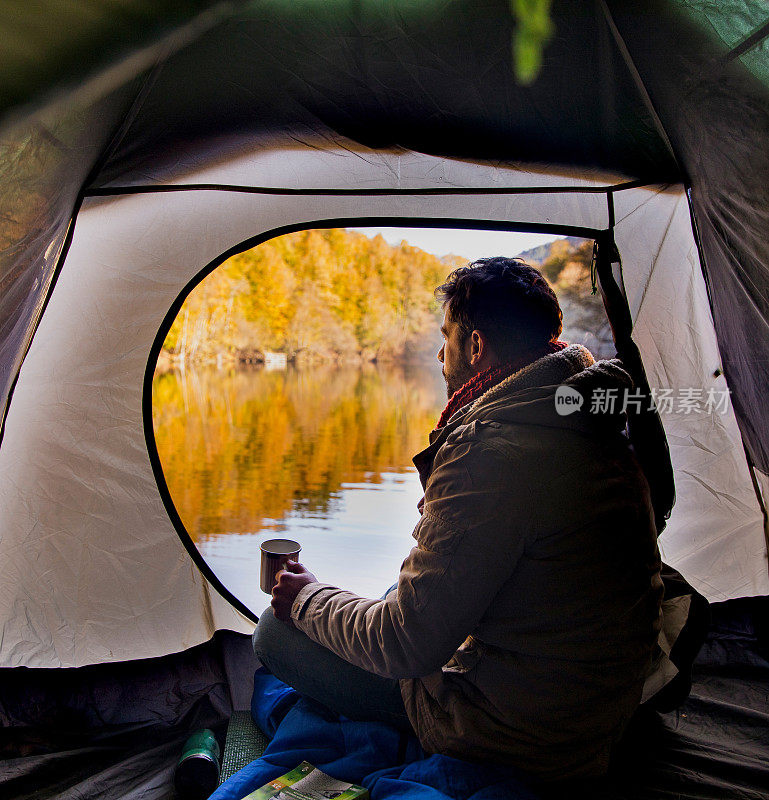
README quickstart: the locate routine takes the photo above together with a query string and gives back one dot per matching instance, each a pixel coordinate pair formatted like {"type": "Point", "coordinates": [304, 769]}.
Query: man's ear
{"type": "Point", "coordinates": [479, 352]}
{"type": "Point", "coordinates": [479, 346]}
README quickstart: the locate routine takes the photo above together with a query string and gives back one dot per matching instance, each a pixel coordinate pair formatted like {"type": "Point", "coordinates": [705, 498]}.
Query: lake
{"type": "Point", "coordinates": [321, 455]}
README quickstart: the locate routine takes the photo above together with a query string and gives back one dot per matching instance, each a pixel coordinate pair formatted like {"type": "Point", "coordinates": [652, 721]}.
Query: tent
{"type": "Point", "coordinates": [142, 144]}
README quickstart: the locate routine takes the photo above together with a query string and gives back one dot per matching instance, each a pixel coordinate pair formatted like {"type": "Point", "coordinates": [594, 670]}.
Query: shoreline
{"type": "Point", "coordinates": [257, 360]}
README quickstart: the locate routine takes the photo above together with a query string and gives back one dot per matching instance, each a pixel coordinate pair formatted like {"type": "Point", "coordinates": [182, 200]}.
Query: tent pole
{"type": "Point", "coordinates": [647, 433]}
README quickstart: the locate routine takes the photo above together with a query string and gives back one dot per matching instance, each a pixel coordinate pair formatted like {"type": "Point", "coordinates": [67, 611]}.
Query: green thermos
{"type": "Point", "coordinates": [197, 773]}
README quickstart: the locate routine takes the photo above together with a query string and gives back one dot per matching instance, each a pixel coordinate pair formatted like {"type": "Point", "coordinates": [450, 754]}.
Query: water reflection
{"type": "Point", "coordinates": [322, 455]}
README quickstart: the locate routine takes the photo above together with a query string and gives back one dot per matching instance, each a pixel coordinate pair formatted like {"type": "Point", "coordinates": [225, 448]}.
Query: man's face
{"type": "Point", "coordinates": [457, 369]}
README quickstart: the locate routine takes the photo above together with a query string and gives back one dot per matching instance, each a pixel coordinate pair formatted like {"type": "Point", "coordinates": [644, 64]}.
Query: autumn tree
{"type": "Point", "coordinates": [327, 294]}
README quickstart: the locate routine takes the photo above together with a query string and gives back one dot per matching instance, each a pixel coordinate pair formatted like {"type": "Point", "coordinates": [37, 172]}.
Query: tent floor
{"type": "Point", "coordinates": [115, 731]}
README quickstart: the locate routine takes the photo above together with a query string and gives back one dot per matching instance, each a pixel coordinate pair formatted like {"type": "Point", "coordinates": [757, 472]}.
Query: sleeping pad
{"type": "Point", "coordinates": [388, 762]}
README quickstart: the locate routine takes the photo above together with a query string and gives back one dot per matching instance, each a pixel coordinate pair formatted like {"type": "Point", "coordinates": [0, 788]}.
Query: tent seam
{"type": "Point", "coordinates": [630, 64]}
{"type": "Point", "coordinates": [284, 190]}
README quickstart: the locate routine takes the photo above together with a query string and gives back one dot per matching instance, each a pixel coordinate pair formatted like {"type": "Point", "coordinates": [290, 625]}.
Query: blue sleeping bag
{"type": "Point", "coordinates": [388, 762]}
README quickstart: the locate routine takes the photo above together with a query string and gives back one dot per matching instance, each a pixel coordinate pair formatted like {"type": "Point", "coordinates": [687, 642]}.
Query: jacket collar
{"type": "Point", "coordinates": [548, 370]}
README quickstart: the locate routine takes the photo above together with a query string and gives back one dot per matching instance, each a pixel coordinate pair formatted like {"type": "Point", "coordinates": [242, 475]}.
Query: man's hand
{"type": "Point", "coordinates": [291, 581]}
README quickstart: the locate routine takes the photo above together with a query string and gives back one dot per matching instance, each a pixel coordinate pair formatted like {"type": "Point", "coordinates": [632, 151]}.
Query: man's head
{"type": "Point", "coordinates": [496, 309]}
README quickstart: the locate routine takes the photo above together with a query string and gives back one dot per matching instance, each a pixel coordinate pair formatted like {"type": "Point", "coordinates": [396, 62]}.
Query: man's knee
{"type": "Point", "coordinates": [281, 648]}
{"type": "Point", "coordinates": [269, 636]}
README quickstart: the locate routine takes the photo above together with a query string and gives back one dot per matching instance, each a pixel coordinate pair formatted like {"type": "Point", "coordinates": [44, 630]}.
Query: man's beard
{"type": "Point", "coordinates": [458, 377]}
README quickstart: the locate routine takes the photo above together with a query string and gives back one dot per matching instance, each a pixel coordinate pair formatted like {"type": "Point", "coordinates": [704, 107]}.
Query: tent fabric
{"type": "Point", "coordinates": [43, 164]}
{"type": "Point", "coordinates": [714, 503]}
{"type": "Point", "coordinates": [63, 45]}
{"type": "Point", "coordinates": [116, 731]}
{"type": "Point", "coordinates": [651, 93]}
{"type": "Point", "coordinates": [645, 91]}
{"type": "Point", "coordinates": [360, 97]}
{"type": "Point", "coordinates": [93, 568]}
{"type": "Point", "coordinates": [715, 111]}
{"type": "Point", "coordinates": [431, 77]}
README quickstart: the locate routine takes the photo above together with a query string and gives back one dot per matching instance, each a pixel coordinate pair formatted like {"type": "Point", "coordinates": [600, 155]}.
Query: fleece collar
{"type": "Point", "coordinates": [549, 370]}
{"type": "Point", "coordinates": [527, 397]}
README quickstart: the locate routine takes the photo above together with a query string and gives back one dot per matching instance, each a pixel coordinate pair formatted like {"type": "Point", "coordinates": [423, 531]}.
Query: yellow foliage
{"type": "Point", "coordinates": [318, 292]}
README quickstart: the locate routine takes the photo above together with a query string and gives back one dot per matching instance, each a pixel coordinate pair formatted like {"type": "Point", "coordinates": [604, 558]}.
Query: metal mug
{"type": "Point", "coordinates": [275, 553]}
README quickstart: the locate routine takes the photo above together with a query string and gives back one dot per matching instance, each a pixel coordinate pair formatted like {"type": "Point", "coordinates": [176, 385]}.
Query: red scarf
{"type": "Point", "coordinates": [483, 381]}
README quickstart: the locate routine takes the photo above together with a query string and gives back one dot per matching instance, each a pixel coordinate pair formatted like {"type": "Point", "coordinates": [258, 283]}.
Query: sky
{"type": "Point", "coordinates": [468, 244]}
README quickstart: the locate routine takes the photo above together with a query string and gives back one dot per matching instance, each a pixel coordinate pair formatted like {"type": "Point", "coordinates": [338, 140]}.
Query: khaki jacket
{"type": "Point", "coordinates": [524, 619]}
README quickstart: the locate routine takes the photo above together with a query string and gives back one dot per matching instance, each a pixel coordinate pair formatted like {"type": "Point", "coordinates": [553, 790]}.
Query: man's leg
{"type": "Point", "coordinates": [315, 671]}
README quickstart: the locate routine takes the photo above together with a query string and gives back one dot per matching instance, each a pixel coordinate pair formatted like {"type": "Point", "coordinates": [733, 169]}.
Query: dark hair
{"type": "Point", "coordinates": [505, 298]}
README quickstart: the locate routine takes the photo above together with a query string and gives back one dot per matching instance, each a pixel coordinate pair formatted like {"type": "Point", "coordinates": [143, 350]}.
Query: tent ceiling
{"type": "Point", "coordinates": [49, 45]}
{"type": "Point", "coordinates": [398, 74]}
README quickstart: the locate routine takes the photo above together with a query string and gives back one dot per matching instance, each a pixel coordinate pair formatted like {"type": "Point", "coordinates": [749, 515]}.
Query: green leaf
{"type": "Point", "coordinates": [532, 31]}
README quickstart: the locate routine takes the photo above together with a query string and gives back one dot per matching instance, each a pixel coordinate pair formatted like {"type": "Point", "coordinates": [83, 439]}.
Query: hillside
{"type": "Point", "coordinates": [336, 295]}
{"type": "Point", "coordinates": [566, 265]}
{"type": "Point", "coordinates": [316, 295]}
{"type": "Point", "coordinates": [538, 255]}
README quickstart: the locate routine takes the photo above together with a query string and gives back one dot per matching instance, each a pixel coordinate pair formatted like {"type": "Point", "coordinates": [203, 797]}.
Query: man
{"type": "Point", "coordinates": [522, 623]}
